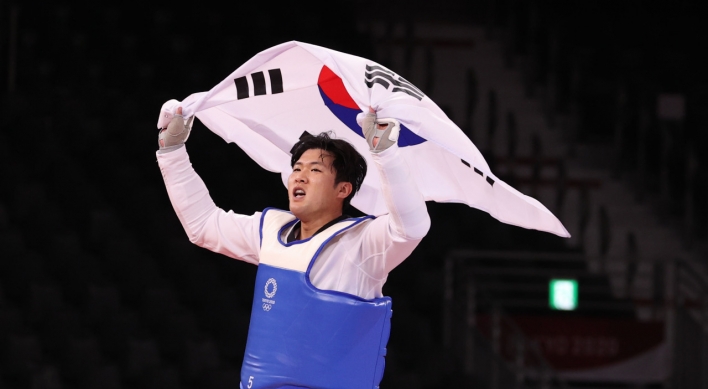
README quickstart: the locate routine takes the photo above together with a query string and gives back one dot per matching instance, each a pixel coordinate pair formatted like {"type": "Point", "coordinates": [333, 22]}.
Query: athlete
{"type": "Point", "coordinates": [319, 318]}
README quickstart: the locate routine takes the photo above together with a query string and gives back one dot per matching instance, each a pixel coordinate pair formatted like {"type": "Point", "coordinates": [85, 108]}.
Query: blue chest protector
{"type": "Point", "coordinates": [304, 337]}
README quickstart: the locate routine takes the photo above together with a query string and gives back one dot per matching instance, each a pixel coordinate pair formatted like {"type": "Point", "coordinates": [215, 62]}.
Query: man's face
{"type": "Point", "coordinates": [311, 189]}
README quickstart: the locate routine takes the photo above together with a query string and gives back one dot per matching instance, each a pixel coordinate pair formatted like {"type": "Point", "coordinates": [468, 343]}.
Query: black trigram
{"type": "Point", "coordinates": [490, 180]}
{"type": "Point", "coordinates": [378, 75]}
{"type": "Point", "coordinates": [304, 135]}
{"type": "Point", "coordinates": [259, 84]}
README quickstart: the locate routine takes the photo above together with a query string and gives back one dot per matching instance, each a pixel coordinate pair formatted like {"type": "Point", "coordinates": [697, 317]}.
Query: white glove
{"type": "Point", "coordinates": [176, 132]}
{"type": "Point", "coordinates": [380, 134]}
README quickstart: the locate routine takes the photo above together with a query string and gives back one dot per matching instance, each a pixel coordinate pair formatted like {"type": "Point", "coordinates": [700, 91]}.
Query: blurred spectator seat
{"type": "Point", "coordinates": [12, 247]}
{"type": "Point", "coordinates": [103, 225]}
{"type": "Point", "coordinates": [158, 304]}
{"type": "Point", "coordinates": [121, 252]}
{"type": "Point", "coordinates": [65, 245]}
{"type": "Point", "coordinates": [200, 356]}
{"type": "Point", "coordinates": [76, 277]}
{"type": "Point", "coordinates": [131, 270]}
{"type": "Point", "coordinates": [10, 323]}
{"type": "Point", "coordinates": [105, 377]}
{"type": "Point", "coordinates": [164, 18]}
{"type": "Point", "coordinates": [58, 330]}
{"type": "Point", "coordinates": [4, 218]}
{"type": "Point", "coordinates": [199, 279]}
{"type": "Point", "coordinates": [225, 321]}
{"type": "Point", "coordinates": [87, 132]}
{"type": "Point", "coordinates": [72, 267]}
{"type": "Point", "coordinates": [19, 272]}
{"type": "Point", "coordinates": [160, 378]}
{"type": "Point", "coordinates": [114, 334]}
{"type": "Point", "coordinates": [103, 304]}
{"type": "Point", "coordinates": [226, 378]}
{"type": "Point", "coordinates": [82, 357]}
{"type": "Point", "coordinates": [34, 213]}
{"type": "Point", "coordinates": [142, 357]}
{"type": "Point", "coordinates": [22, 357]}
{"type": "Point", "coordinates": [30, 201]}
{"type": "Point", "coordinates": [45, 300]}
{"type": "Point", "coordinates": [3, 301]}
{"type": "Point", "coordinates": [12, 172]}
{"type": "Point", "coordinates": [46, 377]}
{"type": "Point", "coordinates": [4, 149]}
{"type": "Point", "coordinates": [173, 331]}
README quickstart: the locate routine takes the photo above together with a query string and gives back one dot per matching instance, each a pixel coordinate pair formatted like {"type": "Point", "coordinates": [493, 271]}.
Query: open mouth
{"type": "Point", "coordinates": [298, 193]}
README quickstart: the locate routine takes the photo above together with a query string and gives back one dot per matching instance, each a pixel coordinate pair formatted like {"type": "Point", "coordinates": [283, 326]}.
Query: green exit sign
{"type": "Point", "coordinates": [563, 294]}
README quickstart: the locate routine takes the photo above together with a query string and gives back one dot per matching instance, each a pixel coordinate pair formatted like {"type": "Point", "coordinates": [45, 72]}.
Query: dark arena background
{"type": "Point", "coordinates": [595, 108]}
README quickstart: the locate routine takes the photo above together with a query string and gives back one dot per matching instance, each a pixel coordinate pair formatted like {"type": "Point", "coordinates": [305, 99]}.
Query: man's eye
{"type": "Point", "coordinates": [316, 170]}
{"type": "Point", "coordinates": [296, 169]}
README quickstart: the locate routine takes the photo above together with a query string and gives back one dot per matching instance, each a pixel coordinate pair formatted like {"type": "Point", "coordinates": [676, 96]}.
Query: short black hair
{"type": "Point", "coordinates": [348, 164]}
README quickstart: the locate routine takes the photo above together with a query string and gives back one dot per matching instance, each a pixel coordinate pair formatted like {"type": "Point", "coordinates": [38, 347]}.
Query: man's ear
{"type": "Point", "coordinates": [344, 189]}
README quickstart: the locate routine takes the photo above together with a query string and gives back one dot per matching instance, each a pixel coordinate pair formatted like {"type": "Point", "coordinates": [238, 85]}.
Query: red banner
{"type": "Point", "coordinates": [583, 343]}
{"type": "Point", "coordinates": [594, 349]}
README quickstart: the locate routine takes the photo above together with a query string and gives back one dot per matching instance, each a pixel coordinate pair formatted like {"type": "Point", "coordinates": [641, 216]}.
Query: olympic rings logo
{"type": "Point", "coordinates": [271, 282]}
{"type": "Point", "coordinates": [267, 307]}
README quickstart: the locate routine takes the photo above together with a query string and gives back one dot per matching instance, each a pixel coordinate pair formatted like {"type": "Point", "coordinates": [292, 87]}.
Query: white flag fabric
{"type": "Point", "coordinates": [295, 89]}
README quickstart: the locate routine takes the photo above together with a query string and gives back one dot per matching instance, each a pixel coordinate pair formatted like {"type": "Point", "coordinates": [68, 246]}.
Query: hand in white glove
{"type": "Point", "coordinates": [380, 134]}
{"type": "Point", "coordinates": [176, 132]}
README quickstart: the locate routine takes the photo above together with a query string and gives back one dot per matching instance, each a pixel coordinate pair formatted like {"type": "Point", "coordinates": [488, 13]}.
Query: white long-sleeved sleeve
{"type": "Point", "coordinates": [207, 225]}
{"type": "Point", "coordinates": [393, 237]}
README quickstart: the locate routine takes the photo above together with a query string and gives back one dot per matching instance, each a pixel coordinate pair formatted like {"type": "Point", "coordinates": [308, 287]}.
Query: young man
{"type": "Point", "coordinates": [319, 318]}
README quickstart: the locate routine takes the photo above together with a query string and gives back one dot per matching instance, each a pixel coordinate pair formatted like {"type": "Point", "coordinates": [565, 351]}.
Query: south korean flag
{"type": "Point", "coordinates": [294, 89]}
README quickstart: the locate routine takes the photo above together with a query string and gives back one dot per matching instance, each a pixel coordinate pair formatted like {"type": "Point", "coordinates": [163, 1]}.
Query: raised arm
{"type": "Point", "coordinates": [206, 225]}
{"type": "Point", "coordinates": [393, 237]}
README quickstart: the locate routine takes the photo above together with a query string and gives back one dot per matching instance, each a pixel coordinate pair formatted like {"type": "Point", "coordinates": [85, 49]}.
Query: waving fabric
{"type": "Point", "coordinates": [295, 89]}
